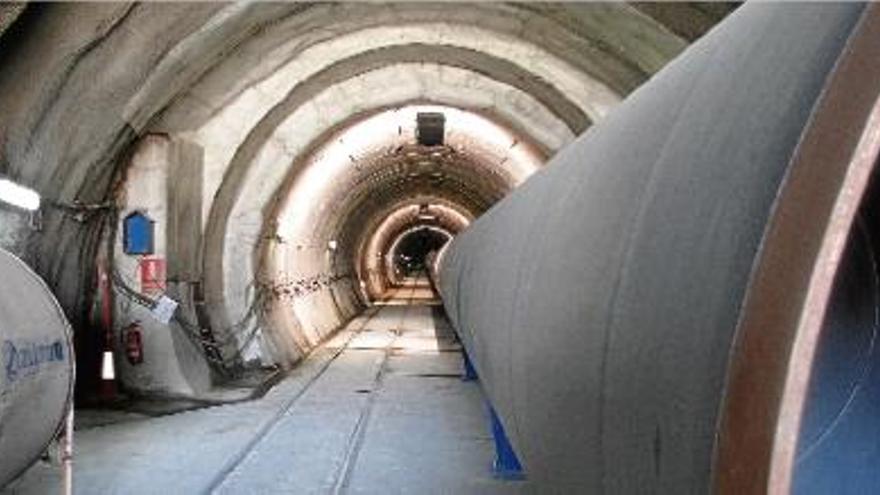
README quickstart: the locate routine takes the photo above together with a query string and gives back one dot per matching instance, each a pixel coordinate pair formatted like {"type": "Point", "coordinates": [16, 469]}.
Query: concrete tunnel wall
{"type": "Point", "coordinates": [330, 198]}
{"type": "Point", "coordinates": [624, 265]}
{"type": "Point", "coordinates": [374, 249]}
{"type": "Point", "coordinates": [252, 90]}
{"type": "Point", "coordinates": [636, 255]}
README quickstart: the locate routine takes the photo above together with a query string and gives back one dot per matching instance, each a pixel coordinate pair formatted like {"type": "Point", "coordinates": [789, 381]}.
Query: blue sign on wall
{"type": "Point", "coordinates": [137, 234]}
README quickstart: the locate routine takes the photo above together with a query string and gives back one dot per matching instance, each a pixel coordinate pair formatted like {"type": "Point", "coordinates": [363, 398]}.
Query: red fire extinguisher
{"type": "Point", "coordinates": [132, 342]}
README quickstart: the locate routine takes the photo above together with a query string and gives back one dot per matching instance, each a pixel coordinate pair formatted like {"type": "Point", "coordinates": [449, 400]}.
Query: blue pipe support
{"type": "Point", "coordinates": [470, 373]}
{"type": "Point", "coordinates": [507, 465]}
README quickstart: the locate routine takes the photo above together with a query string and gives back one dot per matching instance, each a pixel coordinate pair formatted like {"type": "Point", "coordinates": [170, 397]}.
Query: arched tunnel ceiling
{"type": "Point", "coordinates": [412, 170]}
{"type": "Point", "coordinates": [559, 101]}
{"type": "Point", "coordinates": [197, 39]}
{"type": "Point", "coordinates": [338, 185]}
{"type": "Point", "coordinates": [349, 183]}
{"type": "Point", "coordinates": [258, 85]}
{"type": "Point", "coordinates": [568, 32]}
{"type": "Point", "coordinates": [378, 158]}
{"type": "Point", "coordinates": [266, 97]}
{"type": "Point", "coordinates": [9, 12]}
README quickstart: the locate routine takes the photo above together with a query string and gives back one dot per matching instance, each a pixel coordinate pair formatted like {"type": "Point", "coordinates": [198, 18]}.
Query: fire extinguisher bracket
{"type": "Point", "coordinates": [133, 343]}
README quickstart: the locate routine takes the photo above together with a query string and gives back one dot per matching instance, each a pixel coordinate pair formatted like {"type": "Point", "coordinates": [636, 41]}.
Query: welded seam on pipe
{"type": "Point", "coordinates": [621, 271]}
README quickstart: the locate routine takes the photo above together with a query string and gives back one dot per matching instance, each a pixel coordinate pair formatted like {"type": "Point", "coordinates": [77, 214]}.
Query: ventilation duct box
{"type": "Point", "coordinates": [430, 128]}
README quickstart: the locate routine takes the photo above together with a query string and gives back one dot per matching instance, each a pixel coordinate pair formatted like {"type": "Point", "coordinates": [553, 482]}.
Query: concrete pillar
{"type": "Point", "coordinates": [164, 182]}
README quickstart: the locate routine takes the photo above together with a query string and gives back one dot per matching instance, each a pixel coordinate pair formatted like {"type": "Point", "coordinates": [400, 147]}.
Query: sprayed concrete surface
{"type": "Point", "coordinates": [380, 408]}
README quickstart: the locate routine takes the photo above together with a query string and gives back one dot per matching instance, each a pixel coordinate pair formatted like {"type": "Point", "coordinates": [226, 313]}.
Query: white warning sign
{"type": "Point", "coordinates": [164, 309]}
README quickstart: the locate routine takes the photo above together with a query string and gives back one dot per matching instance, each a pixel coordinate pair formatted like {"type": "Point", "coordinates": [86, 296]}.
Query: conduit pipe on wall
{"type": "Point", "coordinates": [609, 303]}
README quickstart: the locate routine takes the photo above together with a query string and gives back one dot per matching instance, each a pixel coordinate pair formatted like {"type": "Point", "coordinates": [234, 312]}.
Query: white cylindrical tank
{"type": "Point", "coordinates": [37, 367]}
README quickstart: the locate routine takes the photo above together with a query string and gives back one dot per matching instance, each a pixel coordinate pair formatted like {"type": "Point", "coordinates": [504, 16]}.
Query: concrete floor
{"type": "Point", "coordinates": [380, 408]}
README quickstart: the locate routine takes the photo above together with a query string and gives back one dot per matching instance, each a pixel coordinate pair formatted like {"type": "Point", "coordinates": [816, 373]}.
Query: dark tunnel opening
{"type": "Point", "coordinates": [837, 444]}
{"type": "Point", "coordinates": [411, 253]}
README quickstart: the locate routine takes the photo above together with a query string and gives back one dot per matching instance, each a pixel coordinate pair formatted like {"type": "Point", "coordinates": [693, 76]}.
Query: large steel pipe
{"type": "Point", "coordinates": [644, 311]}
{"type": "Point", "coordinates": [36, 379]}
{"type": "Point", "coordinates": [837, 447]}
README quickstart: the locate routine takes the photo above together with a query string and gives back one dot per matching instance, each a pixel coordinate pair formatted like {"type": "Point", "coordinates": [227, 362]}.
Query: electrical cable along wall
{"type": "Point", "coordinates": [601, 300]}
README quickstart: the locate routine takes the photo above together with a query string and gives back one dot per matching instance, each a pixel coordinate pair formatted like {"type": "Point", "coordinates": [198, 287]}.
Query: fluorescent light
{"type": "Point", "coordinates": [108, 371]}
{"type": "Point", "coordinates": [20, 196]}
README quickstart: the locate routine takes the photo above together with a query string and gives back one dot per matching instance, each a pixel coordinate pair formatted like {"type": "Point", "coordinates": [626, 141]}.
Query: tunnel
{"type": "Point", "coordinates": [440, 247]}
{"type": "Point", "coordinates": [410, 253]}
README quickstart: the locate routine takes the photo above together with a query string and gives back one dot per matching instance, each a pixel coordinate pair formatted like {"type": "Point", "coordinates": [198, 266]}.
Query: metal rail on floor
{"type": "Point", "coordinates": [356, 440]}
{"type": "Point", "coordinates": [264, 430]}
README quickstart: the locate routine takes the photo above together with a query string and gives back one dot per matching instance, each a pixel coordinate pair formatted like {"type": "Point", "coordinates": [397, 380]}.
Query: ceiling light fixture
{"type": "Point", "coordinates": [18, 195]}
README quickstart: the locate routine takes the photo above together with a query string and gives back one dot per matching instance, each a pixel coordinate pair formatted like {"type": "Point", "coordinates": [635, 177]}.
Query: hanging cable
{"type": "Point", "coordinates": [243, 331]}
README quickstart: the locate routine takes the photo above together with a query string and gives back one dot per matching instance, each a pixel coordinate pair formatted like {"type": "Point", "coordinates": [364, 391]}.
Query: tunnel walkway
{"type": "Point", "coordinates": [380, 408]}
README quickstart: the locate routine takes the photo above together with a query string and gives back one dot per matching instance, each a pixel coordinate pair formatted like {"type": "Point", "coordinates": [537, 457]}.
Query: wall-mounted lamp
{"type": "Point", "coordinates": [425, 214]}
{"type": "Point", "coordinates": [332, 245]}
{"type": "Point", "coordinates": [18, 195]}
